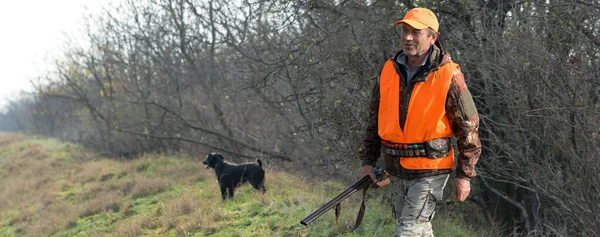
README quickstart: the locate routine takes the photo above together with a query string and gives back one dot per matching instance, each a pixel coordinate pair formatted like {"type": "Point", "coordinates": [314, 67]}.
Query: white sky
{"type": "Point", "coordinates": [31, 36]}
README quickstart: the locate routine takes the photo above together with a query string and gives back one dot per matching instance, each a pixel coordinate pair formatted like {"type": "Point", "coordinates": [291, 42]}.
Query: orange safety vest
{"type": "Point", "coordinates": [426, 118]}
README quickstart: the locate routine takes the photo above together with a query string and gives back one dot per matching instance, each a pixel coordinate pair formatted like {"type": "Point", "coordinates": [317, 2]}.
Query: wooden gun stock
{"type": "Point", "coordinates": [363, 183]}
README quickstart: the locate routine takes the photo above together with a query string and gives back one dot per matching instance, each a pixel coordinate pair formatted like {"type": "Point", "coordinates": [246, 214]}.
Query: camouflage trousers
{"type": "Point", "coordinates": [413, 204]}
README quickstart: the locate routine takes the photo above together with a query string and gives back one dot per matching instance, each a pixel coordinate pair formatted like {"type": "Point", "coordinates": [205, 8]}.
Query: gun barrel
{"type": "Point", "coordinates": [362, 183]}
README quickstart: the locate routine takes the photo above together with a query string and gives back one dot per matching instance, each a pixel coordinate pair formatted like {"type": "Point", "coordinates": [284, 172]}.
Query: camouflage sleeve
{"type": "Point", "coordinates": [371, 147]}
{"type": "Point", "coordinates": [464, 121]}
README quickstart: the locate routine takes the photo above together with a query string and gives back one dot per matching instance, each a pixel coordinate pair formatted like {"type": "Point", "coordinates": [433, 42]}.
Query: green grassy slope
{"type": "Point", "coordinates": [52, 188]}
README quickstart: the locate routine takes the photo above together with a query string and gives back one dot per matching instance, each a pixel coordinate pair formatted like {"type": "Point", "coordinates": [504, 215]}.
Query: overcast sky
{"type": "Point", "coordinates": [31, 35]}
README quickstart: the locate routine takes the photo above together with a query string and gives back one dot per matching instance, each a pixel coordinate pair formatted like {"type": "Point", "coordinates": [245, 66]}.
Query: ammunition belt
{"type": "Point", "coordinates": [435, 148]}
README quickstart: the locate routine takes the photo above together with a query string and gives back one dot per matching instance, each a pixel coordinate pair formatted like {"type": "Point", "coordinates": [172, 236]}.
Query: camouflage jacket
{"type": "Point", "coordinates": [461, 113]}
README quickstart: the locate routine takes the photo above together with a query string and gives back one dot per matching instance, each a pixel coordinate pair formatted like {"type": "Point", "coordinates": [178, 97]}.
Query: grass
{"type": "Point", "coordinates": [52, 188]}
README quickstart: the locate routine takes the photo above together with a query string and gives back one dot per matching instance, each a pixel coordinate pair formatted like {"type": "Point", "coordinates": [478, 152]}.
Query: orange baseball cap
{"type": "Point", "coordinates": [420, 18]}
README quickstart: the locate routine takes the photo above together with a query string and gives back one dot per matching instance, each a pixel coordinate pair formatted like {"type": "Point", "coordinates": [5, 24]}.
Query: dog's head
{"type": "Point", "coordinates": [212, 160]}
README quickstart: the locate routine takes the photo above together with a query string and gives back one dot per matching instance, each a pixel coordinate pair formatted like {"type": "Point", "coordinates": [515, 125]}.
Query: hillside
{"type": "Point", "coordinates": [52, 188]}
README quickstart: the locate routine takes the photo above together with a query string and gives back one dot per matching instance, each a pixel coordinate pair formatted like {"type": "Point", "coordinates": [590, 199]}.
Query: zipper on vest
{"type": "Point", "coordinates": [406, 92]}
{"type": "Point", "coordinates": [403, 95]}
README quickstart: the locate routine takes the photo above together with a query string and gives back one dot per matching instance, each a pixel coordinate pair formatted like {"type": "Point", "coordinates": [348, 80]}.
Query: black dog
{"type": "Point", "coordinates": [231, 175]}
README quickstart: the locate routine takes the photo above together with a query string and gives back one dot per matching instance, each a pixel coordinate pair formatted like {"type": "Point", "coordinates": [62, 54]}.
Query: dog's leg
{"type": "Point", "coordinates": [230, 188]}
{"type": "Point", "coordinates": [255, 186]}
{"type": "Point", "coordinates": [223, 192]}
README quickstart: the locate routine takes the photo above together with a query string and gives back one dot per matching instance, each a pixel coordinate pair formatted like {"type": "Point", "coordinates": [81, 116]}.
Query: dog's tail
{"type": "Point", "coordinates": [258, 163]}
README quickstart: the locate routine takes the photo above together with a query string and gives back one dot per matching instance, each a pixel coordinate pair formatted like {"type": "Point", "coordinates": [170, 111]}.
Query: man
{"type": "Point", "coordinates": [419, 103]}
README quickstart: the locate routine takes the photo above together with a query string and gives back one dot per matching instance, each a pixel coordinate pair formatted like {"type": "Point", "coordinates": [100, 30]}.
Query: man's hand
{"type": "Point", "coordinates": [368, 170]}
{"type": "Point", "coordinates": [462, 188]}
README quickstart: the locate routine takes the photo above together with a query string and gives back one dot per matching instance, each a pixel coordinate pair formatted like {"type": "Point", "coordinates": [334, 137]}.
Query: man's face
{"type": "Point", "coordinates": [416, 43]}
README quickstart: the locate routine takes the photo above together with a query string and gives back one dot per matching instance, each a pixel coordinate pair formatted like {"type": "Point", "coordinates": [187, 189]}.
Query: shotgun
{"type": "Point", "coordinates": [364, 183]}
